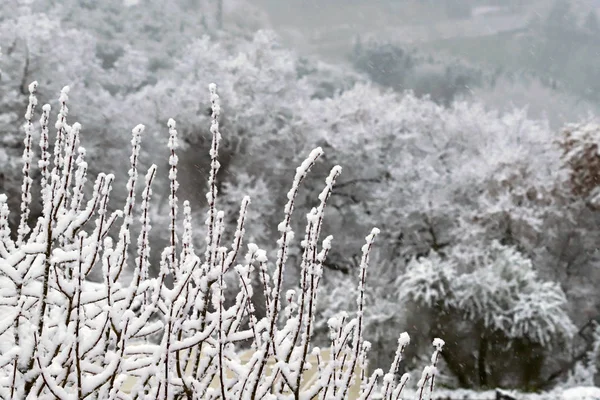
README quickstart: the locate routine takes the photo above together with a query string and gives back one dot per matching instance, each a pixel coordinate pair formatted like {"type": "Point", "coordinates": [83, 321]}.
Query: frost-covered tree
{"type": "Point", "coordinates": [576, 264]}
{"type": "Point", "coordinates": [258, 75]}
{"type": "Point", "coordinates": [38, 43]}
{"type": "Point", "coordinates": [581, 159]}
{"type": "Point", "coordinates": [511, 312]}
{"type": "Point", "coordinates": [436, 174]}
{"type": "Point", "coordinates": [104, 53]}
{"type": "Point", "coordinates": [451, 181]}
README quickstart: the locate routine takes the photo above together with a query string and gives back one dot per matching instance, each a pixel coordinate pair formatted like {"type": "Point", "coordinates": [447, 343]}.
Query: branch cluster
{"type": "Point", "coordinates": [63, 337]}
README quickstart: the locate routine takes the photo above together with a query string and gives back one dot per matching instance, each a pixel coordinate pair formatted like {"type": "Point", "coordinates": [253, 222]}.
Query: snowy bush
{"type": "Point", "coordinates": [63, 337]}
{"type": "Point", "coordinates": [509, 309]}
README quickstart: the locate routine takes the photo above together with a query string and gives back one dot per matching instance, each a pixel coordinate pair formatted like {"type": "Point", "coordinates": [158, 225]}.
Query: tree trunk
{"type": "Point", "coordinates": [455, 367]}
{"type": "Point", "coordinates": [481, 361]}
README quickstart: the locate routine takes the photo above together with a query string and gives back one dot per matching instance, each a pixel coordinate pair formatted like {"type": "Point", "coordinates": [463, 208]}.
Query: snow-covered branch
{"type": "Point", "coordinates": [64, 337]}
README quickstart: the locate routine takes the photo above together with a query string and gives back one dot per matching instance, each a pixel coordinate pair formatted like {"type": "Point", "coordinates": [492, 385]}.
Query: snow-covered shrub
{"type": "Point", "coordinates": [509, 309]}
{"type": "Point", "coordinates": [63, 337]}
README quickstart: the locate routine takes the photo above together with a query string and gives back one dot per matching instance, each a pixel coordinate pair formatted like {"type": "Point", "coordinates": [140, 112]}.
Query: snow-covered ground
{"type": "Point", "coordinates": [576, 393]}
{"type": "Point", "coordinates": [581, 393]}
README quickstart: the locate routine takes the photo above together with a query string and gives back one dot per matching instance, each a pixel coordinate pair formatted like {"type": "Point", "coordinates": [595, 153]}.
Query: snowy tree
{"type": "Point", "coordinates": [507, 304]}
{"type": "Point", "coordinates": [436, 175]}
{"type": "Point", "coordinates": [102, 51]}
{"type": "Point", "coordinates": [440, 180]}
{"type": "Point", "coordinates": [581, 159]}
{"type": "Point", "coordinates": [266, 88]}
{"type": "Point", "coordinates": [39, 42]}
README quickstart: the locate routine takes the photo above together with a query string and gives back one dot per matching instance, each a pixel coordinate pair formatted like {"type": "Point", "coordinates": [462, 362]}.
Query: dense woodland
{"type": "Point", "coordinates": [489, 213]}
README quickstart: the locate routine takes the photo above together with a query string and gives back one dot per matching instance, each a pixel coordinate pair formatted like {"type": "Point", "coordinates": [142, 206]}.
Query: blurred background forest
{"type": "Point", "coordinates": [466, 129]}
